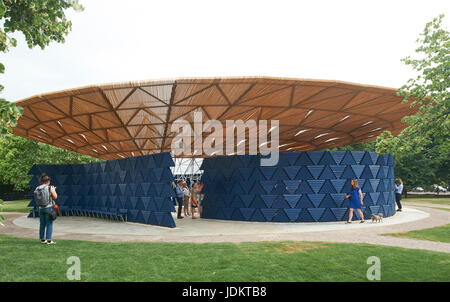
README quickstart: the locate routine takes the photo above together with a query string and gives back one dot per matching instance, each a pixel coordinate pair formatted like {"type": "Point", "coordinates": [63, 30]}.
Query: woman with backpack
{"type": "Point", "coordinates": [44, 196]}
{"type": "Point", "coordinates": [356, 200]}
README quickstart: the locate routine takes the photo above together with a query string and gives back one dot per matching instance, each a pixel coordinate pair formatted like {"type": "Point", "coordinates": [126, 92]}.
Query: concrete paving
{"type": "Point", "coordinates": [208, 227]}
{"type": "Point", "coordinates": [207, 230]}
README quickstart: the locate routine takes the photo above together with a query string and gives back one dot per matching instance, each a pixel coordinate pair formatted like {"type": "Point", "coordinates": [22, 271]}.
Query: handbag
{"type": "Point", "coordinates": [54, 212]}
{"type": "Point", "coordinates": [56, 208]}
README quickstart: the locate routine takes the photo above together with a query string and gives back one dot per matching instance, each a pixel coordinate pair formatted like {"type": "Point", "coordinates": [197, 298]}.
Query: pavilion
{"type": "Point", "coordinates": [129, 119]}
{"type": "Point", "coordinates": [129, 126]}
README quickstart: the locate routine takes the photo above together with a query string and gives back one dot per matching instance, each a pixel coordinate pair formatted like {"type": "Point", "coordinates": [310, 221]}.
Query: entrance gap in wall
{"type": "Point", "coordinates": [188, 170]}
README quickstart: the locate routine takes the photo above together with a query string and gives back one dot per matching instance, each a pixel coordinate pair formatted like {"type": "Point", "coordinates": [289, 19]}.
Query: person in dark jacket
{"type": "Point", "coordinates": [179, 197]}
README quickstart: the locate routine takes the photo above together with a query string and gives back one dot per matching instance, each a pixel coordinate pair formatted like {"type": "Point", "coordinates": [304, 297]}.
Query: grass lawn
{"type": "Point", "coordinates": [440, 200]}
{"type": "Point", "coordinates": [440, 233]}
{"type": "Point", "coordinates": [16, 206]}
{"type": "Point", "coordinates": [437, 208]}
{"type": "Point", "coordinates": [27, 260]}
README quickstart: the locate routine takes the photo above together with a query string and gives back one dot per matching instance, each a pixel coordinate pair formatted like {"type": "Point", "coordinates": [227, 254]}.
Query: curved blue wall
{"type": "Point", "coordinates": [136, 186]}
{"type": "Point", "coordinates": [303, 187]}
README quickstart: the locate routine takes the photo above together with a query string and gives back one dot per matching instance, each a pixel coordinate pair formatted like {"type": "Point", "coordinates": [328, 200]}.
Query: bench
{"type": "Point", "coordinates": [104, 213]}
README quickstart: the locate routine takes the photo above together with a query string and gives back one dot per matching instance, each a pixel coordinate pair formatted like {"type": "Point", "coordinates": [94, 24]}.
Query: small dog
{"type": "Point", "coordinates": [377, 218]}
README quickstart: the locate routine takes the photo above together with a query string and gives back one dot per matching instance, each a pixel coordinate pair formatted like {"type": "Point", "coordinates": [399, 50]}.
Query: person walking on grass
{"type": "Point", "coordinates": [44, 196]}
{"type": "Point", "coordinates": [398, 193]}
{"type": "Point", "coordinates": [356, 200]}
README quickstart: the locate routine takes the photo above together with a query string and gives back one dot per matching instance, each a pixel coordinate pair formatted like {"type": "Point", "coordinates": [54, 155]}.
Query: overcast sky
{"type": "Point", "coordinates": [113, 41]}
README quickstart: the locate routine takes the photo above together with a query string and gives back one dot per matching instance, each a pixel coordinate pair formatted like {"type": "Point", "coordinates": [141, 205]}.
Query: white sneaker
{"type": "Point", "coordinates": [44, 241]}
{"type": "Point", "coordinates": [50, 242]}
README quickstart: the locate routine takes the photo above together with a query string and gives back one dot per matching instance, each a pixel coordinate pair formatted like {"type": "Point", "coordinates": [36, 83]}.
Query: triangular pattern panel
{"type": "Point", "coordinates": [138, 188]}
{"type": "Point", "coordinates": [302, 187]}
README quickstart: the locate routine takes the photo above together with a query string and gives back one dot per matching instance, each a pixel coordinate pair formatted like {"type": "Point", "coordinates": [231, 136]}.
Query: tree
{"type": "Point", "coordinates": [417, 169]}
{"type": "Point", "coordinates": [18, 155]}
{"type": "Point", "coordinates": [1, 217]}
{"type": "Point", "coordinates": [423, 169]}
{"type": "Point", "coordinates": [422, 149]}
{"type": "Point", "coordinates": [41, 22]}
{"type": "Point", "coordinates": [430, 91]}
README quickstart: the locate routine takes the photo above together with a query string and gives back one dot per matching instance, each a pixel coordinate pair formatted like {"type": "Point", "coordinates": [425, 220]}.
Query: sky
{"type": "Point", "coordinates": [116, 41]}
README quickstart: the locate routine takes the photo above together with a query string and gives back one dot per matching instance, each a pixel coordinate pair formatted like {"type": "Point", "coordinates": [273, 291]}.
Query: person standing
{"type": "Point", "coordinates": [194, 199]}
{"type": "Point", "coordinates": [186, 196]}
{"type": "Point", "coordinates": [179, 197]}
{"type": "Point", "coordinates": [198, 191]}
{"type": "Point", "coordinates": [44, 196]}
{"type": "Point", "coordinates": [398, 188]}
{"type": "Point", "coordinates": [356, 201]}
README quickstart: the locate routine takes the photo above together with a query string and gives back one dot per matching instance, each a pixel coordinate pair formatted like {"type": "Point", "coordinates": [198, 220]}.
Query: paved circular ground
{"type": "Point", "coordinates": [193, 228]}
{"type": "Point", "coordinates": [208, 230]}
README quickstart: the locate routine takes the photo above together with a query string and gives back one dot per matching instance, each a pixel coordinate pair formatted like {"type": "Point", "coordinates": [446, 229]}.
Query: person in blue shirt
{"type": "Point", "coordinates": [179, 197]}
{"type": "Point", "coordinates": [356, 200]}
{"type": "Point", "coordinates": [398, 189]}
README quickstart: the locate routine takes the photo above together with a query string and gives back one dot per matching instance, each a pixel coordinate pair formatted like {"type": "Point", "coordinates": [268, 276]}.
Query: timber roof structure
{"type": "Point", "coordinates": [119, 120]}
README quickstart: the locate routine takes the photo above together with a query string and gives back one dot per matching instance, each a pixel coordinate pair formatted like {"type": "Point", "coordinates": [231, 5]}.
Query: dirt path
{"type": "Point", "coordinates": [372, 235]}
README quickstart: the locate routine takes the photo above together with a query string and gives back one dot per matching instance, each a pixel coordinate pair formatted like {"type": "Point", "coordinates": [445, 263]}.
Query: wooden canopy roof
{"type": "Point", "coordinates": [134, 118]}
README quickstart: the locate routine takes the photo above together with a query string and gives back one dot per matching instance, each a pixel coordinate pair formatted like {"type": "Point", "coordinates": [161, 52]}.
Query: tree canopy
{"type": "Point", "coordinates": [18, 155]}
{"type": "Point", "coordinates": [430, 91]}
{"type": "Point", "coordinates": [41, 22]}
{"type": "Point", "coordinates": [416, 169]}
{"type": "Point", "coordinates": [422, 149]}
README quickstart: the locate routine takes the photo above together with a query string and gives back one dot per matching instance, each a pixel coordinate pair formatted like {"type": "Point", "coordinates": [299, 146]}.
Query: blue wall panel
{"type": "Point", "coordinates": [303, 187]}
{"type": "Point", "coordinates": [137, 186]}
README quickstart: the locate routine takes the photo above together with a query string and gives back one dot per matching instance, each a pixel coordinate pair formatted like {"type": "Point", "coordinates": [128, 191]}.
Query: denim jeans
{"type": "Point", "coordinates": [398, 197]}
{"type": "Point", "coordinates": [46, 224]}
{"type": "Point", "coordinates": [180, 205]}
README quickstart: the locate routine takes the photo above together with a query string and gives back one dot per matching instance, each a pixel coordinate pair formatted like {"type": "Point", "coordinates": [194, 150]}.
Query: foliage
{"type": "Point", "coordinates": [423, 169]}
{"type": "Point", "coordinates": [1, 217]}
{"type": "Point", "coordinates": [430, 92]}
{"type": "Point", "coordinates": [416, 169]}
{"type": "Point", "coordinates": [41, 22]}
{"type": "Point", "coordinates": [17, 206]}
{"type": "Point", "coordinates": [9, 115]}
{"type": "Point", "coordinates": [422, 150]}
{"type": "Point", "coordinates": [18, 155]}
